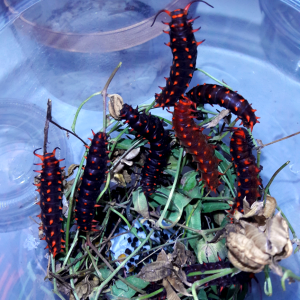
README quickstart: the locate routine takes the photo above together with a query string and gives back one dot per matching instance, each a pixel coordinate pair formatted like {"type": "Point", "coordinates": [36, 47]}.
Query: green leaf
{"type": "Point", "coordinates": [172, 166]}
{"type": "Point", "coordinates": [77, 265]}
{"type": "Point", "coordinates": [189, 181]}
{"type": "Point", "coordinates": [140, 203]}
{"type": "Point", "coordinates": [202, 295]}
{"type": "Point", "coordinates": [224, 164]}
{"type": "Point", "coordinates": [105, 273]}
{"type": "Point", "coordinates": [209, 252]}
{"type": "Point", "coordinates": [120, 289]}
{"type": "Point", "coordinates": [179, 201]}
{"type": "Point", "coordinates": [225, 148]}
{"type": "Point", "coordinates": [175, 152]}
{"type": "Point", "coordinates": [195, 222]}
{"type": "Point", "coordinates": [210, 206]}
{"type": "Point", "coordinates": [125, 144]}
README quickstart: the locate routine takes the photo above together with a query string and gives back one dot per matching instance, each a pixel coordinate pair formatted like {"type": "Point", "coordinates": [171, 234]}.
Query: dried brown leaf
{"type": "Point", "coordinates": [179, 256]}
{"type": "Point", "coordinates": [156, 271]}
{"type": "Point", "coordinates": [171, 294]}
{"type": "Point", "coordinates": [71, 170]}
{"type": "Point", "coordinates": [178, 285]}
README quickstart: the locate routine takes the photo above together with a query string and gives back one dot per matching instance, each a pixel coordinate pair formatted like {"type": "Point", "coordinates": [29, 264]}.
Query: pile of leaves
{"type": "Point", "coordinates": [185, 227]}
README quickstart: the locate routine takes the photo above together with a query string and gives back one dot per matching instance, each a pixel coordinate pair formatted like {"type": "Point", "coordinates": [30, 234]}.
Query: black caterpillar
{"type": "Point", "coordinates": [216, 94]}
{"type": "Point", "coordinates": [91, 181]}
{"type": "Point", "coordinates": [50, 189]}
{"type": "Point", "coordinates": [184, 50]}
{"type": "Point", "coordinates": [244, 161]}
{"type": "Point", "coordinates": [221, 282]}
{"type": "Point", "coordinates": [150, 128]}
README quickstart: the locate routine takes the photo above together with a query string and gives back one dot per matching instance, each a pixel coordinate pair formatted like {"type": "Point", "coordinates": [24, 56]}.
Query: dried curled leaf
{"type": "Point", "coordinates": [251, 246]}
{"type": "Point", "coordinates": [71, 170]}
{"type": "Point", "coordinates": [115, 104]}
{"type": "Point", "coordinates": [218, 118]}
{"type": "Point", "coordinates": [126, 160]}
{"type": "Point", "coordinates": [156, 271]}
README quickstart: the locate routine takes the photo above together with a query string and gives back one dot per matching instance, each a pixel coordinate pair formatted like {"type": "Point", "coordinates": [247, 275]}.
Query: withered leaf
{"type": "Point", "coordinates": [177, 285]}
{"type": "Point", "coordinates": [278, 234]}
{"type": "Point", "coordinates": [171, 294]}
{"type": "Point", "coordinates": [156, 271]}
{"type": "Point", "coordinates": [179, 255]}
{"type": "Point", "coordinates": [162, 256]}
{"type": "Point", "coordinates": [71, 170]}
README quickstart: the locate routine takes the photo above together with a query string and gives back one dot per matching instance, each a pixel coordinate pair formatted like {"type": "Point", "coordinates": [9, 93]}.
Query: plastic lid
{"type": "Point", "coordinates": [21, 132]}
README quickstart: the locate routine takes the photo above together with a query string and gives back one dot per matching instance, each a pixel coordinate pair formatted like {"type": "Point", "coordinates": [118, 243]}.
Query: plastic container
{"type": "Point", "coordinates": [281, 34]}
{"type": "Point", "coordinates": [21, 132]}
{"type": "Point", "coordinates": [234, 51]}
{"type": "Point", "coordinates": [74, 46]}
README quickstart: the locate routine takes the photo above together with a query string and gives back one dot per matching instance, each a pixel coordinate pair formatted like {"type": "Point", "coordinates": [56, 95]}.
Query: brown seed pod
{"type": "Point", "coordinates": [115, 104]}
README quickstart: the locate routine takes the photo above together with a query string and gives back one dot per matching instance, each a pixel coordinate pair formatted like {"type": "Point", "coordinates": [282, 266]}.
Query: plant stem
{"type": "Point", "coordinates": [288, 274]}
{"type": "Point", "coordinates": [46, 128]}
{"type": "Point", "coordinates": [72, 246]}
{"type": "Point", "coordinates": [207, 279]}
{"type": "Point", "coordinates": [127, 223]}
{"type": "Point", "coordinates": [79, 109]}
{"type": "Point", "coordinates": [159, 222]}
{"type": "Point", "coordinates": [54, 279]}
{"type": "Point", "coordinates": [190, 216]}
{"type": "Point", "coordinates": [104, 93]}
{"type": "Point", "coordinates": [287, 137]}
{"type": "Point", "coordinates": [122, 264]}
{"type": "Point", "coordinates": [215, 79]}
{"type": "Point", "coordinates": [266, 191]}
{"type": "Point", "coordinates": [150, 295]}
{"type": "Point", "coordinates": [268, 283]}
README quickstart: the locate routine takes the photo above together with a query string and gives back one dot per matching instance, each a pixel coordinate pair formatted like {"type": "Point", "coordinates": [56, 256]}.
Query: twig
{"type": "Point", "coordinates": [288, 274]}
{"type": "Point", "coordinates": [73, 133]}
{"type": "Point", "coordinates": [266, 191]}
{"type": "Point", "coordinates": [46, 128]}
{"type": "Point", "coordinates": [104, 93]}
{"type": "Point", "coordinates": [276, 141]}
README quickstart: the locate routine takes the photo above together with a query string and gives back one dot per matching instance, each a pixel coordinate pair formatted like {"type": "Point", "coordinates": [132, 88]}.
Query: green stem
{"type": "Point", "coordinates": [94, 264]}
{"type": "Point", "coordinates": [150, 295]}
{"type": "Point", "coordinates": [266, 191]}
{"type": "Point", "coordinates": [122, 264]}
{"type": "Point", "coordinates": [127, 223]}
{"type": "Point", "coordinates": [79, 109]}
{"type": "Point", "coordinates": [150, 106]}
{"type": "Point", "coordinates": [190, 216]}
{"type": "Point", "coordinates": [56, 291]}
{"type": "Point", "coordinates": [288, 274]}
{"type": "Point", "coordinates": [159, 221]}
{"type": "Point", "coordinates": [268, 283]}
{"type": "Point", "coordinates": [104, 93]}
{"type": "Point", "coordinates": [72, 284]}
{"type": "Point", "coordinates": [215, 79]}
{"type": "Point", "coordinates": [227, 181]}
{"type": "Point", "coordinates": [207, 272]}
{"type": "Point", "coordinates": [218, 198]}
{"type": "Point", "coordinates": [207, 279]}
{"type": "Point", "coordinates": [72, 246]}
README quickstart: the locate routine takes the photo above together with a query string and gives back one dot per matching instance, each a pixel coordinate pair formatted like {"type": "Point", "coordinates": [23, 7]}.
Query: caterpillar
{"type": "Point", "coordinates": [244, 161]}
{"type": "Point", "coordinates": [91, 181]}
{"type": "Point", "coordinates": [216, 94]}
{"type": "Point", "coordinates": [184, 50]}
{"type": "Point", "coordinates": [195, 142]}
{"type": "Point", "coordinates": [221, 282]}
{"type": "Point", "coordinates": [150, 128]}
{"type": "Point", "coordinates": [50, 189]}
